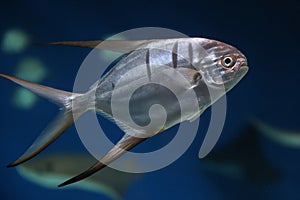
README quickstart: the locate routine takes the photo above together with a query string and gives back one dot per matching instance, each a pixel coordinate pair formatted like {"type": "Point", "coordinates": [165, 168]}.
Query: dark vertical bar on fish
{"type": "Point", "coordinates": [190, 52]}
{"type": "Point", "coordinates": [148, 64]}
{"type": "Point", "coordinates": [174, 54]}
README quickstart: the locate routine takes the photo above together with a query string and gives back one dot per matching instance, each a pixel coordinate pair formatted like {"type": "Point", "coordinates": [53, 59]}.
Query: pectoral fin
{"type": "Point", "coordinates": [126, 143]}
{"type": "Point", "coordinates": [122, 46]}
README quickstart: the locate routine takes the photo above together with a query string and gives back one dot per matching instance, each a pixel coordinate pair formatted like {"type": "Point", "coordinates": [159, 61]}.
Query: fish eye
{"type": "Point", "coordinates": [228, 61]}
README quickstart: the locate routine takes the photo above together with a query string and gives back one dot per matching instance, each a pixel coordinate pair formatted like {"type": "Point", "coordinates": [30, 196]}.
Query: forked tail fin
{"type": "Point", "coordinates": [65, 118]}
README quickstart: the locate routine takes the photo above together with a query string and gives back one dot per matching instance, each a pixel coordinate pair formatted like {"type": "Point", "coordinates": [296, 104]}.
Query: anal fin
{"type": "Point", "coordinates": [126, 143]}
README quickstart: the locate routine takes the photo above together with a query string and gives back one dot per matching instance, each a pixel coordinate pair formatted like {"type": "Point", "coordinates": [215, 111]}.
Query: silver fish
{"type": "Point", "coordinates": [204, 64]}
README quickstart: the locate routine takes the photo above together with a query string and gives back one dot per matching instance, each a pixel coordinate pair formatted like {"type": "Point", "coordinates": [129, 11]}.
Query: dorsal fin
{"type": "Point", "coordinates": [123, 46]}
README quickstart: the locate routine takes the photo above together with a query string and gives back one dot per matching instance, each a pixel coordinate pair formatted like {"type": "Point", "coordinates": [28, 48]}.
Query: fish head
{"type": "Point", "coordinates": [223, 65]}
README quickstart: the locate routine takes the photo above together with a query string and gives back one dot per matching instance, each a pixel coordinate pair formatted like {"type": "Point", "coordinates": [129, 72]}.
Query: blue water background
{"type": "Point", "coordinates": [268, 34]}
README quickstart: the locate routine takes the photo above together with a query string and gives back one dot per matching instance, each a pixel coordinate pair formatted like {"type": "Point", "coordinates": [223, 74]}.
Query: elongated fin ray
{"type": "Point", "coordinates": [59, 97]}
{"type": "Point", "coordinates": [126, 143]}
{"type": "Point", "coordinates": [49, 135]}
{"type": "Point", "coordinates": [64, 119]}
{"type": "Point", "coordinates": [122, 46]}
{"type": "Point", "coordinates": [87, 44]}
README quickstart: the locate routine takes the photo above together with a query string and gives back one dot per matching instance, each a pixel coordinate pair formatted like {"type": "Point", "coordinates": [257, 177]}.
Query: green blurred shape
{"type": "Point", "coordinates": [14, 41]}
{"type": "Point", "coordinates": [24, 99]}
{"type": "Point", "coordinates": [31, 69]}
{"type": "Point", "coordinates": [52, 169]}
{"type": "Point", "coordinates": [284, 137]}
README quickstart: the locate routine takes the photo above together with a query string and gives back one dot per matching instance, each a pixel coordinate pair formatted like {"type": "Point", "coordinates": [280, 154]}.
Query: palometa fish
{"type": "Point", "coordinates": [205, 65]}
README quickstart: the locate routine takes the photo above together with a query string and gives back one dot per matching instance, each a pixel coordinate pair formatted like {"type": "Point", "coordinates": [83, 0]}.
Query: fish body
{"type": "Point", "coordinates": [188, 65]}
{"type": "Point", "coordinates": [187, 56]}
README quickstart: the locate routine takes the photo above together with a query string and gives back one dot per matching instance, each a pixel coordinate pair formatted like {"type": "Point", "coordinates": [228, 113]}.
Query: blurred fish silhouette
{"type": "Point", "coordinates": [53, 168]}
{"type": "Point", "coordinates": [202, 62]}
{"type": "Point", "coordinates": [287, 138]}
{"type": "Point", "coordinates": [242, 159]}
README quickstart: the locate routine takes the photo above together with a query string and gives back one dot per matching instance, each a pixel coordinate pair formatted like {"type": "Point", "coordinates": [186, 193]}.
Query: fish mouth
{"type": "Point", "coordinates": [242, 70]}
{"type": "Point", "coordinates": [240, 74]}
{"type": "Point", "coordinates": [232, 78]}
